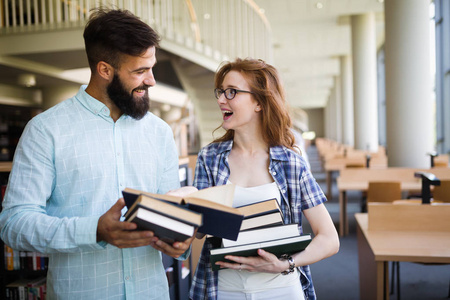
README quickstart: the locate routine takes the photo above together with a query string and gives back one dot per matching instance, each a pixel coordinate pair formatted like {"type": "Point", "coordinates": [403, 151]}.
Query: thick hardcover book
{"type": "Point", "coordinates": [214, 203]}
{"type": "Point", "coordinates": [261, 214]}
{"type": "Point", "coordinates": [277, 247]}
{"type": "Point", "coordinates": [265, 234]}
{"type": "Point", "coordinates": [167, 229]}
{"type": "Point", "coordinates": [169, 222]}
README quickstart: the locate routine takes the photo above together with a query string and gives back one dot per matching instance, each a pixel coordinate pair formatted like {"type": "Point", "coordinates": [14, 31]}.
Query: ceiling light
{"type": "Point", "coordinates": [165, 107]}
{"type": "Point", "coordinates": [27, 80]}
{"type": "Point", "coordinates": [206, 16]}
{"type": "Point", "coordinates": [319, 5]}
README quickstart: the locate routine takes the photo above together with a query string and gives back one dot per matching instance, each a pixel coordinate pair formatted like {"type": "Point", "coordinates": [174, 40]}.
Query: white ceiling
{"type": "Point", "coordinates": [308, 41]}
{"type": "Point", "coordinates": [307, 44]}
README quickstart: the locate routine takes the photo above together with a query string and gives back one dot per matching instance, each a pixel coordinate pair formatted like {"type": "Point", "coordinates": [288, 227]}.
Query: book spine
{"type": "Point", "coordinates": [16, 259]}
{"type": "Point", "coordinates": [9, 258]}
{"type": "Point", "coordinates": [29, 261]}
{"type": "Point", "coordinates": [23, 260]}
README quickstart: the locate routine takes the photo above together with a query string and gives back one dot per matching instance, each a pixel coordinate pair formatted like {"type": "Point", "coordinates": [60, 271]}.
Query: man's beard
{"type": "Point", "coordinates": [135, 108]}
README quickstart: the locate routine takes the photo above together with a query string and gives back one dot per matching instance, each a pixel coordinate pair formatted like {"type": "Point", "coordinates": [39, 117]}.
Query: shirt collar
{"type": "Point", "coordinates": [276, 152]}
{"type": "Point", "coordinates": [225, 146]}
{"type": "Point", "coordinates": [95, 106]}
{"type": "Point", "coordinates": [279, 153]}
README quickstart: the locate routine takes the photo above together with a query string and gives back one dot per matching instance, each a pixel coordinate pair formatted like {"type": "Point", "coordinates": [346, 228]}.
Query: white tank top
{"type": "Point", "coordinates": [251, 282]}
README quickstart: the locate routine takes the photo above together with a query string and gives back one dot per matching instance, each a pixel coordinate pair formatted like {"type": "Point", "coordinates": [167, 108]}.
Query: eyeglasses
{"type": "Point", "coordinates": [229, 93]}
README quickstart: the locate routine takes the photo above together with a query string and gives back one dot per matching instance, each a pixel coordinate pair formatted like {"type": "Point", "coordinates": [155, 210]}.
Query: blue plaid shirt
{"type": "Point", "coordinates": [299, 191]}
{"type": "Point", "coordinates": [70, 167]}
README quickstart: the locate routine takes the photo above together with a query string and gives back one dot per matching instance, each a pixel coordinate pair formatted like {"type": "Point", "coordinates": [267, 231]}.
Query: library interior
{"type": "Point", "coordinates": [367, 88]}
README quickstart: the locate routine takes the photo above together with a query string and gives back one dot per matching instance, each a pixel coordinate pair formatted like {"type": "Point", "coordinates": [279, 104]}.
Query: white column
{"type": "Point", "coordinates": [327, 120]}
{"type": "Point", "coordinates": [347, 101]}
{"type": "Point", "coordinates": [338, 108]}
{"type": "Point", "coordinates": [365, 82]}
{"type": "Point", "coordinates": [409, 114]}
{"type": "Point", "coordinates": [332, 115]}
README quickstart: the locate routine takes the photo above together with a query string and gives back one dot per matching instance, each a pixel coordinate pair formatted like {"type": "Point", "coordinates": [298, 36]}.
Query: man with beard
{"type": "Point", "coordinates": [74, 160]}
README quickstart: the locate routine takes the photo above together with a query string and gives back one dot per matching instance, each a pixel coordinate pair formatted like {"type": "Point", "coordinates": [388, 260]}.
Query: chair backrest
{"type": "Point", "coordinates": [442, 192]}
{"type": "Point", "coordinates": [355, 165]}
{"type": "Point", "coordinates": [381, 191]}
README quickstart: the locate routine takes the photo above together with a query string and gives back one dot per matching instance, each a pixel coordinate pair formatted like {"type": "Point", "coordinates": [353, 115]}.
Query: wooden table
{"type": "Point", "coordinates": [376, 247]}
{"type": "Point", "coordinates": [340, 163]}
{"type": "Point", "coordinates": [357, 179]}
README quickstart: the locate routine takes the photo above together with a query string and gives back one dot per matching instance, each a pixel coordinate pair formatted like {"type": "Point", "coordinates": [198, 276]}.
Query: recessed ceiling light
{"type": "Point", "coordinates": [27, 80]}
{"type": "Point", "coordinates": [207, 16]}
{"type": "Point", "coordinates": [319, 5]}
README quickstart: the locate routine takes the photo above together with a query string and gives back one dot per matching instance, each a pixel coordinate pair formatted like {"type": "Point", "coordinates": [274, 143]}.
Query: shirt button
{"type": "Point", "coordinates": [127, 278]}
{"type": "Point", "coordinates": [274, 173]}
{"type": "Point", "coordinates": [283, 191]}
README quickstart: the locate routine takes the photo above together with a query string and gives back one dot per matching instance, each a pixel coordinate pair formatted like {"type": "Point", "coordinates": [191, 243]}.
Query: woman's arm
{"type": "Point", "coordinates": [325, 242]}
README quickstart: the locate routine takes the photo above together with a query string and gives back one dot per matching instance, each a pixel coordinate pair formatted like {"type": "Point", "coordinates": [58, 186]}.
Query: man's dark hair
{"type": "Point", "coordinates": [110, 33]}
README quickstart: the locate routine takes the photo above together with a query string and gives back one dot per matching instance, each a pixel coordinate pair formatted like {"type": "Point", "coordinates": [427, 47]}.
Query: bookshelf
{"type": "Point", "coordinates": [12, 122]}
{"type": "Point", "coordinates": [28, 266]}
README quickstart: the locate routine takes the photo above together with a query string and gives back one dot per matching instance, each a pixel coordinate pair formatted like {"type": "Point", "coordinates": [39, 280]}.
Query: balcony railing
{"type": "Point", "coordinates": [217, 28]}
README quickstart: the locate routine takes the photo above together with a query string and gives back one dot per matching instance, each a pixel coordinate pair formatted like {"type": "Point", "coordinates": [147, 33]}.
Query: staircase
{"type": "Point", "coordinates": [199, 35]}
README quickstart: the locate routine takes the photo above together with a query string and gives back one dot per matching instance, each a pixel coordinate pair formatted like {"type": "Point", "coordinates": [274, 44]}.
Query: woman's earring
{"type": "Point", "coordinates": [258, 108]}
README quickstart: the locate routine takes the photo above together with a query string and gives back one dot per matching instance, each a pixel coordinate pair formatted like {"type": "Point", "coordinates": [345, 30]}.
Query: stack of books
{"type": "Point", "coordinates": [262, 228]}
{"type": "Point", "coordinates": [174, 218]}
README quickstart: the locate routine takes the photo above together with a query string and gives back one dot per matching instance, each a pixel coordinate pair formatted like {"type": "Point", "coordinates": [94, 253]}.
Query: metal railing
{"type": "Point", "coordinates": [218, 28]}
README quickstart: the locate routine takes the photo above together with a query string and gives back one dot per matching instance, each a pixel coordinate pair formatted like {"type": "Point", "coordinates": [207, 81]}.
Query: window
{"type": "Point", "coordinates": [442, 21]}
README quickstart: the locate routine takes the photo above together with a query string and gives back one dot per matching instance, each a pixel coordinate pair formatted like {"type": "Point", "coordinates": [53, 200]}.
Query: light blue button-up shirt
{"type": "Point", "coordinates": [70, 167]}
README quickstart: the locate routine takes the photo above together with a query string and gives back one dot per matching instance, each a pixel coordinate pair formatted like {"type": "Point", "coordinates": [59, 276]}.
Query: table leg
{"type": "Point", "coordinates": [382, 280]}
{"type": "Point", "coordinates": [373, 275]}
{"type": "Point", "coordinates": [329, 191]}
{"type": "Point", "coordinates": [343, 220]}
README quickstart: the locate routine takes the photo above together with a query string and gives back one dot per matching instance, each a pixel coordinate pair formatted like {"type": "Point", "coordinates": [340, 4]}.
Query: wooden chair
{"type": "Point", "coordinates": [442, 192]}
{"type": "Point", "coordinates": [387, 191]}
{"type": "Point", "coordinates": [384, 191]}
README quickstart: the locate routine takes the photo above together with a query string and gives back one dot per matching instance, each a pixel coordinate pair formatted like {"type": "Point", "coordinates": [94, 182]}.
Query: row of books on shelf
{"type": "Point", "coordinates": [27, 289]}
{"type": "Point", "coordinates": [24, 260]}
{"type": "Point", "coordinates": [243, 230]}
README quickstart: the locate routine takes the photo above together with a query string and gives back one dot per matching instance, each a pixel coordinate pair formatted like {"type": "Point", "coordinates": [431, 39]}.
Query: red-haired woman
{"type": "Point", "coordinates": [257, 154]}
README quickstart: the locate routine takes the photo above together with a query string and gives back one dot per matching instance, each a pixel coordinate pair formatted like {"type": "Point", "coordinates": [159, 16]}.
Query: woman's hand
{"type": "Point", "coordinates": [265, 262]}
